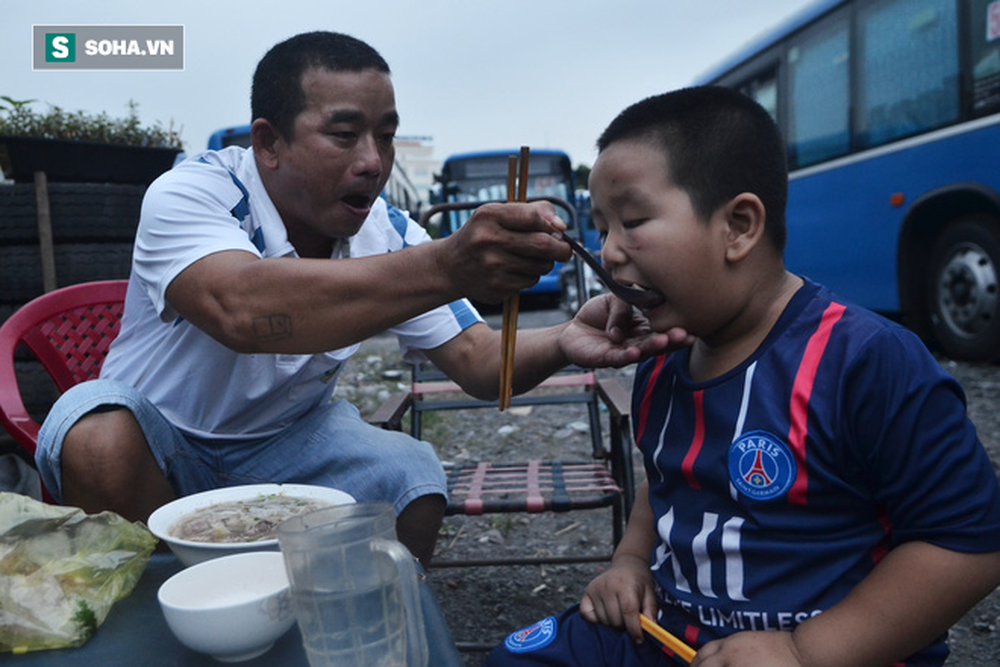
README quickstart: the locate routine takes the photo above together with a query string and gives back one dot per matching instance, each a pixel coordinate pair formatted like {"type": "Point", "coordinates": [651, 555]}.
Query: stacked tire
{"type": "Point", "coordinates": [93, 228]}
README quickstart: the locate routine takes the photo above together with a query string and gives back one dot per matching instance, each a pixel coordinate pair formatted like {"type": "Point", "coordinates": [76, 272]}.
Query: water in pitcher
{"type": "Point", "coordinates": [360, 628]}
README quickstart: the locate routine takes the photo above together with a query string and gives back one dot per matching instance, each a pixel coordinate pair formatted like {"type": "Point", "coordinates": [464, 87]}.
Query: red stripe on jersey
{"type": "Point", "coordinates": [691, 633]}
{"type": "Point", "coordinates": [697, 440]}
{"type": "Point", "coordinates": [647, 398]}
{"type": "Point", "coordinates": [801, 392]}
{"type": "Point", "coordinates": [881, 550]}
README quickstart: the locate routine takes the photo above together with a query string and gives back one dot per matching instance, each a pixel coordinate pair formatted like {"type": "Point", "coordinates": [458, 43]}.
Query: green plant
{"type": "Point", "coordinates": [502, 523]}
{"type": "Point", "coordinates": [17, 118]}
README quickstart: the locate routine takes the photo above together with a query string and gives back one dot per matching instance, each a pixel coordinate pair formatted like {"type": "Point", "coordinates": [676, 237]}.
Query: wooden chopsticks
{"type": "Point", "coordinates": [508, 338]}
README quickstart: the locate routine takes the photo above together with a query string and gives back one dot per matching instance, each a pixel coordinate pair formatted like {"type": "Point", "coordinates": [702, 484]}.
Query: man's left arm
{"type": "Point", "coordinates": [605, 333]}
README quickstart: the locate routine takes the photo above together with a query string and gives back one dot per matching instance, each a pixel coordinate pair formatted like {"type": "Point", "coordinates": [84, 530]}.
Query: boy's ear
{"type": "Point", "coordinates": [746, 217]}
{"type": "Point", "coordinates": [265, 136]}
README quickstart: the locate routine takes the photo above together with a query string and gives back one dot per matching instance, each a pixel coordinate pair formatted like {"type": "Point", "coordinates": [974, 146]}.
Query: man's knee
{"type": "Point", "coordinates": [101, 438]}
{"type": "Point", "coordinates": [107, 464]}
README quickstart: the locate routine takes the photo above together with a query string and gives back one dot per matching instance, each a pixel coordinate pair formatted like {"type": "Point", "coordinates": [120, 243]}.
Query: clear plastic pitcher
{"type": "Point", "coordinates": [354, 588]}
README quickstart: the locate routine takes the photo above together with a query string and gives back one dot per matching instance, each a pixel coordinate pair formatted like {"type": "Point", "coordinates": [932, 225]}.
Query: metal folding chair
{"type": "Point", "coordinates": [69, 331]}
{"type": "Point", "coordinates": [603, 479]}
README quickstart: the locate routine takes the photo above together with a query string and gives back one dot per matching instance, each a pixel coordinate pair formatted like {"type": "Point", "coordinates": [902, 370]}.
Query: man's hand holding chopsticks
{"type": "Point", "coordinates": [503, 249]}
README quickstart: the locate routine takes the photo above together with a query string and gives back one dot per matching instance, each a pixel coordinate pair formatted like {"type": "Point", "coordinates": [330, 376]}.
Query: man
{"type": "Point", "coordinates": [255, 275]}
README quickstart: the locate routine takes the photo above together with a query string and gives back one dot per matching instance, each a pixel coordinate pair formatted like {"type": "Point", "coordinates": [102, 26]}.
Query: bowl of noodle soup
{"type": "Point", "coordinates": [235, 519]}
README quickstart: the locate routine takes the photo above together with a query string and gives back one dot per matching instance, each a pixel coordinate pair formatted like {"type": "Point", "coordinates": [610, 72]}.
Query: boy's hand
{"type": "Point", "coordinates": [608, 332]}
{"type": "Point", "coordinates": [749, 649]}
{"type": "Point", "coordinates": [619, 595]}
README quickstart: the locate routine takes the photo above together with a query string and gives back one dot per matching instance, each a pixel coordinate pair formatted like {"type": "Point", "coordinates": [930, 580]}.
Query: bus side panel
{"type": "Point", "coordinates": [842, 228]}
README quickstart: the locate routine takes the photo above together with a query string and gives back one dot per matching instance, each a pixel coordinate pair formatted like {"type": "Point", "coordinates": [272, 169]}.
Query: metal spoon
{"type": "Point", "coordinates": [636, 297]}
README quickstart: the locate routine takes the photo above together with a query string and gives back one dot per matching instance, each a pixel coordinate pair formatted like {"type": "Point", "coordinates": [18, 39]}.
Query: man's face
{"type": "Point", "coordinates": [330, 171]}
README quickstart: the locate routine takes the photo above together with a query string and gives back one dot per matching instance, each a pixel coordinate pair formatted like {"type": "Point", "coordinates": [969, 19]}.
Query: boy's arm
{"type": "Point", "coordinates": [626, 588]}
{"type": "Point", "coordinates": [913, 596]}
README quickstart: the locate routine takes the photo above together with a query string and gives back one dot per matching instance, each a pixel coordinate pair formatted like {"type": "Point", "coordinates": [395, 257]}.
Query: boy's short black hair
{"type": "Point", "coordinates": [277, 93]}
{"type": "Point", "coordinates": [718, 143]}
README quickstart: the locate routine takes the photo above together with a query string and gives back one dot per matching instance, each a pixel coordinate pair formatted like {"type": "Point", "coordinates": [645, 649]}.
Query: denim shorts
{"type": "Point", "coordinates": [329, 446]}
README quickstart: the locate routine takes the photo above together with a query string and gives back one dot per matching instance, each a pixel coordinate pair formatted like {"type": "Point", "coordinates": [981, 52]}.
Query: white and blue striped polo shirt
{"type": "Point", "coordinates": [215, 202]}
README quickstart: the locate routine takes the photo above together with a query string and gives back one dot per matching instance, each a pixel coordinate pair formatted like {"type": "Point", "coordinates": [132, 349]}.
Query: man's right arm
{"type": "Point", "coordinates": [301, 306]}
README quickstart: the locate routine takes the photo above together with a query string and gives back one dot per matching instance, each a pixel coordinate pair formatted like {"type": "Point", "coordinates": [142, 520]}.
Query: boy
{"type": "Point", "coordinates": [815, 494]}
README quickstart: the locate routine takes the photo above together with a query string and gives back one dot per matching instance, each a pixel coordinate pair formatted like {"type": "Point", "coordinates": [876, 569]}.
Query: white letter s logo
{"type": "Point", "coordinates": [60, 47]}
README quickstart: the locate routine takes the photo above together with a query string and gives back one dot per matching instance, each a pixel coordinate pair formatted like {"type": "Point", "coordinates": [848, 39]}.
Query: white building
{"type": "Point", "coordinates": [415, 154]}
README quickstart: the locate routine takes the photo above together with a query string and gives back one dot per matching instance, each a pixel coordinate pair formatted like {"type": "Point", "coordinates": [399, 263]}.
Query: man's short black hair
{"type": "Point", "coordinates": [718, 143]}
{"type": "Point", "coordinates": [277, 93]}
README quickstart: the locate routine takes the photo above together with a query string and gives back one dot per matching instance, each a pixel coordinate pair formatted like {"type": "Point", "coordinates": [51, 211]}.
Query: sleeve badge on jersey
{"type": "Point", "coordinates": [532, 637]}
{"type": "Point", "coordinates": [761, 466]}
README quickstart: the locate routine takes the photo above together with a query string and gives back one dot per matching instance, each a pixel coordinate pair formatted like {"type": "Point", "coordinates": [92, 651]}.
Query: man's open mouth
{"type": "Point", "coordinates": [359, 202]}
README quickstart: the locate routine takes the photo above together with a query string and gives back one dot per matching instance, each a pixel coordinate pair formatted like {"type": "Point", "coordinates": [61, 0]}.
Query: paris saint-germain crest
{"type": "Point", "coordinates": [532, 637]}
{"type": "Point", "coordinates": [761, 466]}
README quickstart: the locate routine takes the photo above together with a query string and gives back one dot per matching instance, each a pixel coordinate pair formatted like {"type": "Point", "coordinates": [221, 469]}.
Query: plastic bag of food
{"type": "Point", "coordinates": [61, 570]}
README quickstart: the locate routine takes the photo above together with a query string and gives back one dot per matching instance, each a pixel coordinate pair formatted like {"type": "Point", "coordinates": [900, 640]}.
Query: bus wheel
{"type": "Point", "coordinates": [963, 303]}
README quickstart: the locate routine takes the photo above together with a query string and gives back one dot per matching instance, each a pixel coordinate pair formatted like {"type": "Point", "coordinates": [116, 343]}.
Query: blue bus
{"type": "Point", "coordinates": [890, 111]}
{"type": "Point", "coordinates": [399, 190]}
{"type": "Point", "coordinates": [482, 177]}
{"type": "Point", "coordinates": [237, 135]}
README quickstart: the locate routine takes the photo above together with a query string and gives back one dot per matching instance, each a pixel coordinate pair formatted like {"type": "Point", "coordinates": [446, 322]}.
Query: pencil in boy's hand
{"type": "Point", "coordinates": [683, 651]}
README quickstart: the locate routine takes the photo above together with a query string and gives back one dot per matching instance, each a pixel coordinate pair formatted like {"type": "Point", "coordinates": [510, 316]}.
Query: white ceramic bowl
{"type": "Point", "coordinates": [233, 608]}
{"type": "Point", "coordinates": [190, 552]}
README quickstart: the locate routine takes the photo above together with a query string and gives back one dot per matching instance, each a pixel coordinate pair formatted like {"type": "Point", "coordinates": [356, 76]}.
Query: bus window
{"type": "Point", "coordinates": [764, 91]}
{"type": "Point", "coordinates": [984, 53]}
{"type": "Point", "coordinates": [482, 177]}
{"type": "Point", "coordinates": [907, 69]}
{"type": "Point", "coordinates": [819, 87]}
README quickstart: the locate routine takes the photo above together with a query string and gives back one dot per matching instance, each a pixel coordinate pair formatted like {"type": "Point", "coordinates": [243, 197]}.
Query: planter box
{"type": "Point", "coordinates": [82, 161]}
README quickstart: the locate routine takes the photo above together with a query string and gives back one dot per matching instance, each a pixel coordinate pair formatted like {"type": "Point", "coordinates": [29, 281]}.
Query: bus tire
{"type": "Point", "coordinates": [963, 303]}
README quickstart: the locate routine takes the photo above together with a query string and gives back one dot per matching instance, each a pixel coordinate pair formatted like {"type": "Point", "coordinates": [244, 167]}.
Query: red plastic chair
{"type": "Point", "coordinates": [69, 331]}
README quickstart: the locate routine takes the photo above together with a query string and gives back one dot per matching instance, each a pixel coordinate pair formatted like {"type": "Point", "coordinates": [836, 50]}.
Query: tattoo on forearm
{"type": "Point", "coordinates": [272, 327]}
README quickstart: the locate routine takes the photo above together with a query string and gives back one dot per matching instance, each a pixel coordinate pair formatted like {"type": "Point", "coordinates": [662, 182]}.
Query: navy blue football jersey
{"type": "Point", "coordinates": [780, 485]}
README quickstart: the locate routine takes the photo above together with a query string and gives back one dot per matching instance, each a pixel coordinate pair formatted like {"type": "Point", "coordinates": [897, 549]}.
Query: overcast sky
{"type": "Point", "coordinates": [468, 73]}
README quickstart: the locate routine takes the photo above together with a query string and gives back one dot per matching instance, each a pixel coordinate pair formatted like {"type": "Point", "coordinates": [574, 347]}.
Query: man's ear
{"type": "Point", "coordinates": [746, 217]}
{"type": "Point", "coordinates": [265, 139]}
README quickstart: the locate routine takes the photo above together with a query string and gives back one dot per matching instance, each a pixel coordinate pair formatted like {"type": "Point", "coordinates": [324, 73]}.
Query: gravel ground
{"type": "Point", "coordinates": [484, 604]}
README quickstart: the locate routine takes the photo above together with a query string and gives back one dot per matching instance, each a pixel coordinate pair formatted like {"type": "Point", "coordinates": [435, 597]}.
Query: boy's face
{"type": "Point", "coordinates": [653, 238]}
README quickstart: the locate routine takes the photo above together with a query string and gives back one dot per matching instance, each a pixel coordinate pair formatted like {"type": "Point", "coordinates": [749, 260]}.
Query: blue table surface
{"type": "Point", "coordinates": [135, 632]}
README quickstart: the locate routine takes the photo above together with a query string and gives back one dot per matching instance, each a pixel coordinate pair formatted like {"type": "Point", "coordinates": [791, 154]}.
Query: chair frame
{"type": "Point", "coordinates": [615, 456]}
{"type": "Point", "coordinates": [68, 331]}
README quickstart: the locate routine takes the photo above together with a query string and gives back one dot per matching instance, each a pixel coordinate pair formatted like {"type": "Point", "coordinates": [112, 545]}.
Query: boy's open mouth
{"type": "Point", "coordinates": [646, 298]}
{"type": "Point", "coordinates": [637, 287]}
